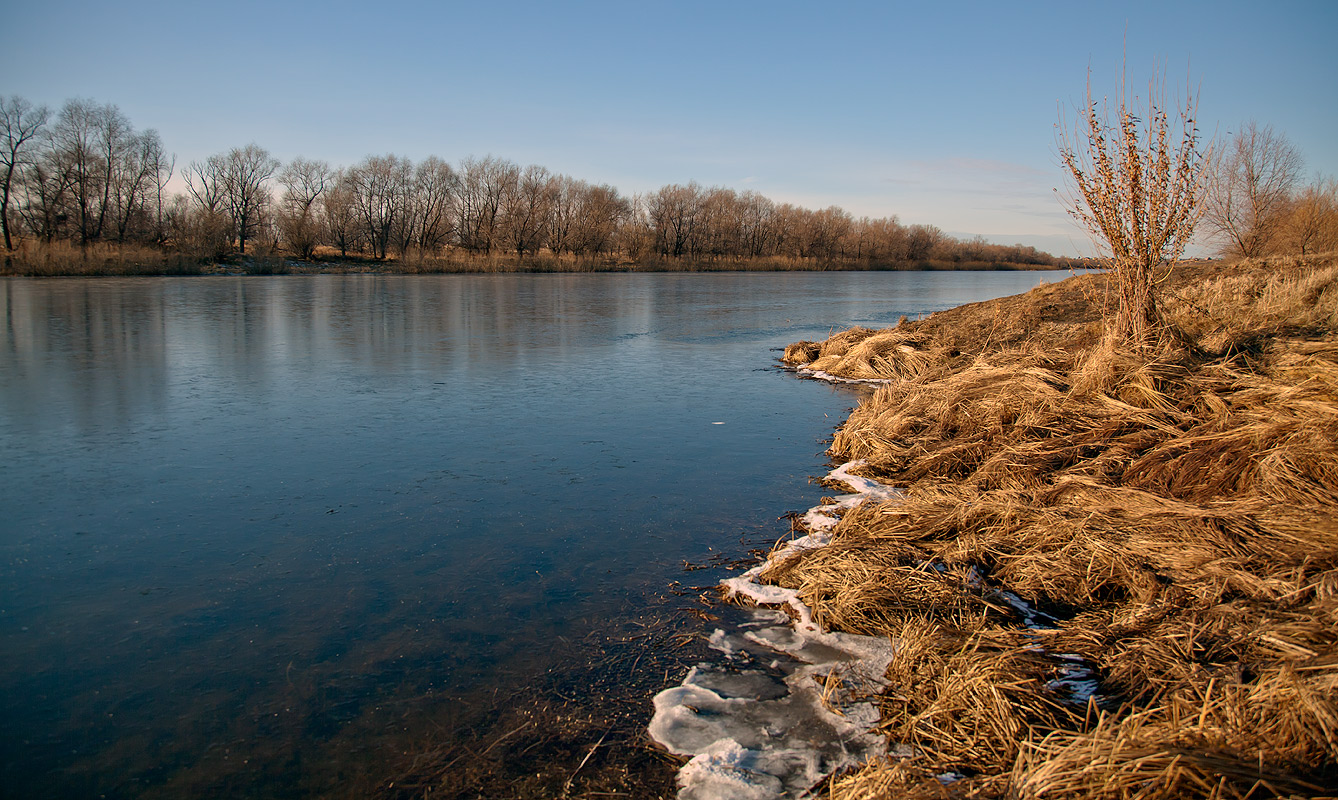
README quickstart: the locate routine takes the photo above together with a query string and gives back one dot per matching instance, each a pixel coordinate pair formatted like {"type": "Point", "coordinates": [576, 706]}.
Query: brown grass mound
{"type": "Point", "coordinates": [1177, 516]}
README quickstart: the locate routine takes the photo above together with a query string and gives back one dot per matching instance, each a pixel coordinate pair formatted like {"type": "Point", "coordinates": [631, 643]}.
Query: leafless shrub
{"type": "Point", "coordinates": [1138, 179]}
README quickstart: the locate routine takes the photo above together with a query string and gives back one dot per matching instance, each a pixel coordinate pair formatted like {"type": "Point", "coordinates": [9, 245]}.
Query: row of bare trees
{"type": "Point", "coordinates": [387, 206]}
{"type": "Point", "coordinates": [721, 224]}
{"type": "Point", "coordinates": [86, 175]}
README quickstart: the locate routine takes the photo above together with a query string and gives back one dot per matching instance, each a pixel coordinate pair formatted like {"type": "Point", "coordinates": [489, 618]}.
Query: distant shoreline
{"type": "Point", "coordinates": [113, 261]}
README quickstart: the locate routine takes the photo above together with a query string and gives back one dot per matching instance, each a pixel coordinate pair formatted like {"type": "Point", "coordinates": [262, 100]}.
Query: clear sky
{"type": "Point", "coordinates": [936, 112]}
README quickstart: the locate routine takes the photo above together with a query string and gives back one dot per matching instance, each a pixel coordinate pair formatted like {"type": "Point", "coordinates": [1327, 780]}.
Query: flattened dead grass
{"type": "Point", "coordinates": [1174, 516]}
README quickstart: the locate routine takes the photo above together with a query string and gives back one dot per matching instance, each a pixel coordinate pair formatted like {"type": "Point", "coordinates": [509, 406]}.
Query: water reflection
{"type": "Point", "coordinates": [263, 533]}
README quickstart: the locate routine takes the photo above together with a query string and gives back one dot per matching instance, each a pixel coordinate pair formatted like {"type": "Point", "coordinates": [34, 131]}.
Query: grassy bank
{"type": "Point", "coordinates": [1174, 519]}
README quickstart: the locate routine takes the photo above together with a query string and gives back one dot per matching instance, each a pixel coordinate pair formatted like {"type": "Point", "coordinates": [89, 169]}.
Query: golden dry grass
{"type": "Point", "coordinates": [38, 259]}
{"type": "Point", "coordinates": [1176, 514]}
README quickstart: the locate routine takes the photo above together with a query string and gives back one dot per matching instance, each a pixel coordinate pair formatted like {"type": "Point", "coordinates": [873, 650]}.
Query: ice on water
{"type": "Point", "coordinates": [789, 703]}
{"type": "Point", "coordinates": [779, 712]}
{"type": "Point", "coordinates": [817, 374]}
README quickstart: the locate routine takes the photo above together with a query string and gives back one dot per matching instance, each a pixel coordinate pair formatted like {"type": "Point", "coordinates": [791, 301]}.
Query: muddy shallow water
{"type": "Point", "coordinates": [302, 536]}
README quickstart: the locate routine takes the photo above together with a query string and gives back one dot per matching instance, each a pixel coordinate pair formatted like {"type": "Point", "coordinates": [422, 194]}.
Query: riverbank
{"type": "Point", "coordinates": [61, 259]}
{"type": "Point", "coordinates": [1109, 576]}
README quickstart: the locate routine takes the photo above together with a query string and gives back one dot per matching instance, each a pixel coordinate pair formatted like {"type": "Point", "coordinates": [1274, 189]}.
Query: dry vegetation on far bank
{"type": "Point", "coordinates": [1174, 515]}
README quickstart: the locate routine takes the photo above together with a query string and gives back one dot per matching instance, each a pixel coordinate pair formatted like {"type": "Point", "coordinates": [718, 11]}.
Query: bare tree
{"type": "Point", "coordinates": [825, 234]}
{"type": "Point", "coordinates": [337, 215]}
{"type": "Point", "coordinates": [599, 213]}
{"type": "Point", "coordinates": [138, 174]}
{"type": "Point", "coordinates": [720, 224]}
{"type": "Point", "coordinates": [483, 186]}
{"type": "Point", "coordinates": [196, 230]}
{"type": "Point", "coordinates": [563, 196]}
{"type": "Point", "coordinates": [304, 182]}
{"type": "Point", "coordinates": [234, 184]}
{"type": "Point", "coordinates": [116, 141]}
{"type": "Point", "coordinates": [525, 210]}
{"type": "Point", "coordinates": [635, 235]}
{"type": "Point", "coordinates": [435, 190]}
{"type": "Point", "coordinates": [47, 187]}
{"type": "Point", "coordinates": [379, 192]}
{"type": "Point", "coordinates": [757, 234]}
{"type": "Point", "coordinates": [1138, 181]}
{"type": "Point", "coordinates": [20, 124]}
{"type": "Point", "coordinates": [162, 168]}
{"type": "Point", "coordinates": [922, 241]}
{"type": "Point", "coordinates": [204, 183]}
{"type": "Point", "coordinates": [1250, 187]}
{"type": "Point", "coordinates": [246, 173]}
{"type": "Point", "coordinates": [1311, 224]}
{"type": "Point", "coordinates": [75, 154]}
{"type": "Point", "coordinates": [673, 212]}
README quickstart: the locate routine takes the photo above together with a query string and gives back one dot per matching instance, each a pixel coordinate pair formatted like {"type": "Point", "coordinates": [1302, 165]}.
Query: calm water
{"type": "Point", "coordinates": [262, 536]}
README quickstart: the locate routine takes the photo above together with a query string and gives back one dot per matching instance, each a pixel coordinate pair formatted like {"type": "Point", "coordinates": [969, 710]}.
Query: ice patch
{"type": "Point", "coordinates": [1031, 617]}
{"type": "Point", "coordinates": [1076, 684]}
{"type": "Point", "coordinates": [817, 374]}
{"type": "Point", "coordinates": [791, 703]}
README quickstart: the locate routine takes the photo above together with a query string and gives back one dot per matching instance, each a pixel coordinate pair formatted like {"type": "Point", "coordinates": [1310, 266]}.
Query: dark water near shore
{"type": "Point", "coordinates": [270, 536]}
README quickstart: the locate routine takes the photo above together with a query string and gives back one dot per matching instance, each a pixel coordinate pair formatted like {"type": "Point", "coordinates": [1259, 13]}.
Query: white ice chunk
{"type": "Point", "coordinates": [817, 374]}
{"type": "Point", "coordinates": [719, 640]}
{"type": "Point", "coordinates": [771, 732]}
{"type": "Point", "coordinates": [726, 769]}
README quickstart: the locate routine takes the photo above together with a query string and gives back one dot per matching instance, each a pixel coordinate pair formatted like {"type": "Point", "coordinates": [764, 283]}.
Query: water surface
{"type": "Point", "coordinates": [266, 536]}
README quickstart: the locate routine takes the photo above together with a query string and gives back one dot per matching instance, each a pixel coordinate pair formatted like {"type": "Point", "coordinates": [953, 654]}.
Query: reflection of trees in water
{"type": "Point", "coordinates": [95, 347]}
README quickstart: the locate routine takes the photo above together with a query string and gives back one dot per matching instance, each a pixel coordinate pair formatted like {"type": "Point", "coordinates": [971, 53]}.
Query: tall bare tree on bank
{"type": "Point", "coordinates": [74, 154]}
{"type": "Point", "coordinates": [483, 186]}
{"type": "Point", "coordinates": [1250, 189]}
{"type": "Point", "coordinates": [435, 188]}
{"type": "Point", "coordinates": [305, 182]}
{"type": "Point", "coordinates": [525, 210]}
{"type": "Point", "coordinates": [379, 189]}
{"type": "Point", "coordinates": [203, 229]}
{"type": "Point", "coordinates": [20, 123]}
{"type": "Point", "coordinates": [1139, 179]}
{"type": "Point", "coordinates": [246, 170]}
{"type": "Point", "coordinates": [138, 176]}
{"type": "Point", "coordinates": [338, 218]}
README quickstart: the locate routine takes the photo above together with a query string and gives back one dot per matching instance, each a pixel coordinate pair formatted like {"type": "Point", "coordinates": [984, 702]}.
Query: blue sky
{"type": "Point", "coordinates": [939, 113]}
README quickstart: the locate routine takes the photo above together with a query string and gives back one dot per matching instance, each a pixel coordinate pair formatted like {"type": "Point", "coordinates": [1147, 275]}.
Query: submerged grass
{"type": "Point", "coordinates": [1175, 518]}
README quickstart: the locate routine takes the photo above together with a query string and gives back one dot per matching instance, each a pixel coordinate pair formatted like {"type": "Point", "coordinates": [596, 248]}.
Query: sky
{"type": "Point", "coordinates": [939, 113]}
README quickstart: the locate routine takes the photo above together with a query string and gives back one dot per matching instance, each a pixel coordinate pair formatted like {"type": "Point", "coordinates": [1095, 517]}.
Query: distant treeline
{"type": "Point", "coordinates": [84, 176]}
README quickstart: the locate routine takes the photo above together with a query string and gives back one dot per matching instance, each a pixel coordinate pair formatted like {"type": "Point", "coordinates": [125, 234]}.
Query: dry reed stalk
{"type": "Point", "coordinates": [968, 707]}
{"type": "Point", "coordinates": [1153, 754]}
{"type": "Point", "coordinates": [913, 781]}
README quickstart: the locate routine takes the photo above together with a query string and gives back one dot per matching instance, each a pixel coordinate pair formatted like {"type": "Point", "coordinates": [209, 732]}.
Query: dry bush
{"type": "Point", "coordinates": [1137, 180]}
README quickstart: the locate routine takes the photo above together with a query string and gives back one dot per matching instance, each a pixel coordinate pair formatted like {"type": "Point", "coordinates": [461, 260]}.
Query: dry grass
{"type": "Point", "coordinates": [1175, 513]}
{"type": "Point", "coordinates": [37, 259]}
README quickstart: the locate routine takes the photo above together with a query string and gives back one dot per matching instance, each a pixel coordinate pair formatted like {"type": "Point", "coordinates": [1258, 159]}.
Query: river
{"type": "Point", "coordinates": [306, 535]}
